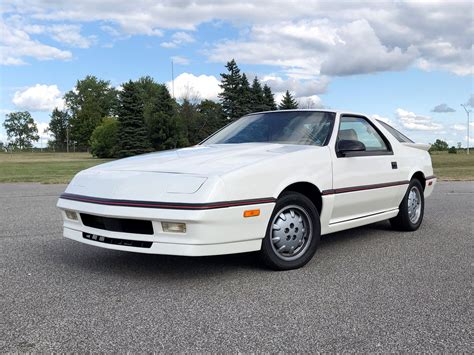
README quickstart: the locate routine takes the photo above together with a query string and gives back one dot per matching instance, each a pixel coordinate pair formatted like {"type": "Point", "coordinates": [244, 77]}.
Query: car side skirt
{"type": "Point", "coordinates": [361, 221]}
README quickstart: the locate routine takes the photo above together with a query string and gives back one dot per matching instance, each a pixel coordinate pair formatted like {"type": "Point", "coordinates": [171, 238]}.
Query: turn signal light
{"type": "Point", "coordinates": [170, 227]}
{"type": "Point", "coordinates": [251, 213]}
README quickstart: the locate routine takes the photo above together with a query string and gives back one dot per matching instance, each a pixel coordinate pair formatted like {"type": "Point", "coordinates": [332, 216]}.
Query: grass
{"type": "Point", "coordinates": [453, 166]}
{"type": "Point", "coordinates": [47, 168]}
{"type": "Point", "coordinates": [56, 168]}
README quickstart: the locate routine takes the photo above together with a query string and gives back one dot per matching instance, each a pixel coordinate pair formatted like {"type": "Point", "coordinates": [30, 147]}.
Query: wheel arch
{"type": "Point", "coordinates": [308, 189]}
{"type": "Point", "coordinates": [420, 177]}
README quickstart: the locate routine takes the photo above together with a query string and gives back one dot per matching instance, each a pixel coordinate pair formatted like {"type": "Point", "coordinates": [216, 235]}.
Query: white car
{"type": "Point", "coordinates": [272, 182]}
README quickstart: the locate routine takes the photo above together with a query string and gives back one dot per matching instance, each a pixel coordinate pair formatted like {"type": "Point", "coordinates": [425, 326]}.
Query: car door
{"type": "Point", "coordinates": [363, 181]}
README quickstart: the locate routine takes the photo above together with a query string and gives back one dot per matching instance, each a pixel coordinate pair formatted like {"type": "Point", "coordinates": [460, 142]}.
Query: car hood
{"type": "Point", "coordinates": [203, 160]}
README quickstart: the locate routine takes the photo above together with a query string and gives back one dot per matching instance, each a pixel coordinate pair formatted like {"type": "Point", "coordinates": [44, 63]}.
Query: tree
{"type": "Point", "coordinates": [231, 83]}
{"type": "Point", "coordinates": [104, 139]}
{"type": "Point", "coordinates": [21, 129]}
{"type": "Point", "coordinates": [244, 99]}
{"type": "Point", "coordinates": [58, 126]}
{"type": "Point", "coordinates": [189, 118]}
{"type": "Point", "coordinates": [452, 150]}
{"type": "Point", "coordinates": [439, 145]}
{"type": "Point", "coordinates": [132, 133]}
{"type": "Point", "coordinates": [268, 98]}
{"type": "Point", "coordinates": [89, 102]}
{"type": "Point", "coordinates": [211, 119]}
{"type": "Point", "coordinates": [288, 102]}
{"type": "Point", "coordinates": [258, 98]}
{"type": "Point", "coordinates": [159, 110]}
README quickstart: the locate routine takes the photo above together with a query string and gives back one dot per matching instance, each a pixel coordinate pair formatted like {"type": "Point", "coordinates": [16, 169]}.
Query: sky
{"type": "Point", "coordinates": [408, 63]}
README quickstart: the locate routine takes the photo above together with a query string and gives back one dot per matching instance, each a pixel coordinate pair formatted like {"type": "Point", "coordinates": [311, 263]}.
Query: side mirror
{"type": "Point", "coordinates": [345, 146]}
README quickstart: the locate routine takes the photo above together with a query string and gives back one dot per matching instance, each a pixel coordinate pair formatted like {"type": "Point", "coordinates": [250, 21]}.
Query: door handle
{"type": "Point", "coordinates": [394, 165]}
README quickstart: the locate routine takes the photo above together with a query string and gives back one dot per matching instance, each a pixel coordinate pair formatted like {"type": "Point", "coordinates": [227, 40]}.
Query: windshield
{"type": "Point", "coordinates": [291, 127]}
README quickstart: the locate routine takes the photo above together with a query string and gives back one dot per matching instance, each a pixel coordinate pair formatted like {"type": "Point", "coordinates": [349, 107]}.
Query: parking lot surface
{"type": "Point", "coordinates": [368, 289]}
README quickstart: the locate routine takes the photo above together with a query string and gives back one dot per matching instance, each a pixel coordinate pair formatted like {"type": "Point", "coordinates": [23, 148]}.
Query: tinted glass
{"type": "Point", "coordinates": [359, 129]}
{"type": "Point", "coordinates": [398, 136]}
{"type": "Point", "coordinates": [293, 127]}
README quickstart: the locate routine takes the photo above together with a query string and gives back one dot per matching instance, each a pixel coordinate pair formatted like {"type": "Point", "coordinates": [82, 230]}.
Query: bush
{"type": "Point", "coordinates": [104, 139]}
{"type": "Point", "coordinates": [452, 150]}
{"type": "Point", "coordinates": [439, 145]}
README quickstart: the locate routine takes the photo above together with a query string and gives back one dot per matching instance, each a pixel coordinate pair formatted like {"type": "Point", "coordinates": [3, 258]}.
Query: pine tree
{"type": "Point", "coordinates": [132, 133]}
{"type": "Point", "coordinates": [211, 119]}
{"type": "Point", "coordinates": [230, 84]}
{"type": "Point", "coordinates": [288, 102]}
{"type": "Point", "coordinates": [258, 99]}
{"type": "Point", "coordinates": [244, 99]}
{"type": "Point", "coordinates": [269, 99]}
{"type": "Point", "coordinates": [159, 114]}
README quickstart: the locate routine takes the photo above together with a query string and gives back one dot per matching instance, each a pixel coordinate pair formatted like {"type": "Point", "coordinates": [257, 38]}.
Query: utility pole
{"type": "Point", "coordinates": [467, 113]}
{"type": "Point", "coordinates": [67, 138]}
{"type": "Point", "coordinates": [172, 78]}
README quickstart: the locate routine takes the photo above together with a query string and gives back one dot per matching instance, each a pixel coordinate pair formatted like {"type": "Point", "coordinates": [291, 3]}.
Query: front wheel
{"type": "Point", "coordinates": [411, 209]}
{"type": "Point", "coordinates": [293, 233]}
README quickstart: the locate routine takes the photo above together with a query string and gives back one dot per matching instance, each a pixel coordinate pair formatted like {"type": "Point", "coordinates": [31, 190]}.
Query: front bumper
{"type": "Point", "coordinates": [208, 232]}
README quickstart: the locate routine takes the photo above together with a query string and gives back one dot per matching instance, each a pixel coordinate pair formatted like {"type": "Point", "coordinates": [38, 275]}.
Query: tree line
{"type": "Point", "coordinates": [141, 116]}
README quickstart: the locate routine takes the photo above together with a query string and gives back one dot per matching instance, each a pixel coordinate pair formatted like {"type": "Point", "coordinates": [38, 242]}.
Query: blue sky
{"type": "Point", "coordinates": [409, 63]}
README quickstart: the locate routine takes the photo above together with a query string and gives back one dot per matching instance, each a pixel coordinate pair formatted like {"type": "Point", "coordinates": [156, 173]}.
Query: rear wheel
{"type": "Point", "coordinates": [411, 209]}
{"type": "Point", "coordinates": [293, 233]}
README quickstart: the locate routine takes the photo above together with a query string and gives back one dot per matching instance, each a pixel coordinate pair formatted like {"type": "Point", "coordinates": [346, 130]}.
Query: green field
{"type": "Point", "coordinates": [48, 168]}
{"type": "Point", "coordinates": [453, 166]}
{"type": "Point", "coordinates": [54, 168]}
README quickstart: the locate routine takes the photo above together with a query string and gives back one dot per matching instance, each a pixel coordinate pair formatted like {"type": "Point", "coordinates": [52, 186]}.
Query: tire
{"type": "Point", "coordinates": [290, 243]}
{"type": "Point", "coordinates": [409, 217]}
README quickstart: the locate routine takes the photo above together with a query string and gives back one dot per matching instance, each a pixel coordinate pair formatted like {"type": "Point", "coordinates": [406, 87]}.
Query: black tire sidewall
{"type": "Point", "coordinates": [267, 251]}
{"type": "Point", "coordinates": [407, 224]}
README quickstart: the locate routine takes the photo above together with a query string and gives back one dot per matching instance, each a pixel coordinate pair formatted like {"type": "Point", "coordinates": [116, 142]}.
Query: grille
{"type": "Point", "coordinates": [117, 224]}
{"type": "Point", "coordinates": [116, 241]}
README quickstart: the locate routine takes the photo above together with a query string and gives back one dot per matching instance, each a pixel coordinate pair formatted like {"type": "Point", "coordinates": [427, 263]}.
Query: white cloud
{"type": "Point", "coordinates": [39, 98]}
{"type": "Point", "coordinates": [358, 50]}
{"type": "Point", "coordinates": [43, 130]}
{"type": "Point", "coordinates": [412, 121]}
{"type": "Point", "coordinates": [299, 87]}
{"type": "Point", "coordinates": [471, 141]}
{"type": "Point", "coordinates": [459, 127]}
{"type": "Point", "coordinates": [3, 137]}
{"type": "Point", "coordinates": [308, 48]}
{"type": "Point", "coordinates": [180, 60]}
{"type": "Point", "coordinates": [189, 86]}
{"type": "Point", "coordinates": [305, 39]}
{"type": "Point", "coordinates": [70, 35]}
{"type": "Point", "coordinates": [178, 39]}
{"type": "Point", "coordinates": [16, 44]}
{"type": "Point", "coordinates": [307, 102]}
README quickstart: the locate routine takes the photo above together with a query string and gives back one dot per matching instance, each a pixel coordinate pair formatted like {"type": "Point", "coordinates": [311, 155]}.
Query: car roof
{"type": "Point", "coordinates": [346, 112]}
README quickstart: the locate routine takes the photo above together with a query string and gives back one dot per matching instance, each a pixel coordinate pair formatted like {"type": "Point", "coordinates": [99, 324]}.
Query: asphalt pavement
{"type": "Point", "coordinates": [370, 289]}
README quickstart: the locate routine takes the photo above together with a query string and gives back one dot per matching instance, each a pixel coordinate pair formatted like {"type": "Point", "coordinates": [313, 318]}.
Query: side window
{"type": "Point", "coordinates": [398, 135]}
{"type": "Point", "coordinates": [359, 129]}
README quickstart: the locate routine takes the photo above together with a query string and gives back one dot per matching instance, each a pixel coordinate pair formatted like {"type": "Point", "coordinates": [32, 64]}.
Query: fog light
{"type": "Point", "coordinates": [71, 215]}
{"type": "Point", "coordinates": [171, 227]}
